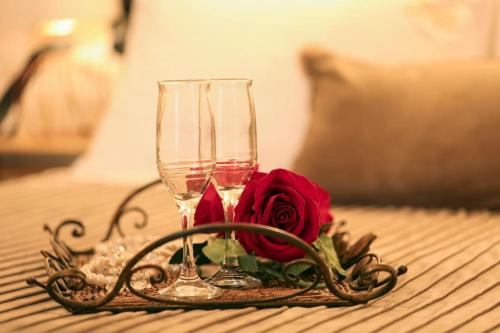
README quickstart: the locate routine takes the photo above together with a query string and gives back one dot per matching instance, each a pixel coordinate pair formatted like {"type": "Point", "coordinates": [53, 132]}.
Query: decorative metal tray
{"type": "Point", "coordinates": [367, 279]}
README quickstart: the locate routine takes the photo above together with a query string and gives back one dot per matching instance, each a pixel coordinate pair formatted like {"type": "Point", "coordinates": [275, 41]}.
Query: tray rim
{"type": "Point", "coordinates": [64, 278]}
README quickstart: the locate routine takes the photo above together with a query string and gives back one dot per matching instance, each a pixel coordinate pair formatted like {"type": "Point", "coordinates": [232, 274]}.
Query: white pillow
{"type": "Point", "coordinates": [246, 38]}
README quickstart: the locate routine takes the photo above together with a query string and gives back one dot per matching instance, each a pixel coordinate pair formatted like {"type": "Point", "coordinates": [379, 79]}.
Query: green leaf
{"type": "Point", "coordinates": [248, 263]}
{"type": "Point", "coordinates": [325, 247]}
{"type": "Point", "coordinates": [202, 259]}
{"type": "Point", "coordinates": [177, 257]}
{"type": "Point", "coordinates": [216, 247]}
{"type": "Point", "coordinates": [197, 252]}
{"type": "Point", "coordinates": [325, 227]}
{"type": "Point", "coordinates": [270, 270]}
{"type": "Point", "coordinates": [297, 269]}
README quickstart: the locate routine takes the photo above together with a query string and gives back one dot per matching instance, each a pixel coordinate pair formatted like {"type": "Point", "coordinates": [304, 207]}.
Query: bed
{"type": "Point", "coordinates": [452, 282]}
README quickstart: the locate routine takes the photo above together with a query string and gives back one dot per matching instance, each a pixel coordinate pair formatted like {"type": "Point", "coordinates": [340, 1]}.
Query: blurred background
{"type": "Point", "coordinates": [78, 85]}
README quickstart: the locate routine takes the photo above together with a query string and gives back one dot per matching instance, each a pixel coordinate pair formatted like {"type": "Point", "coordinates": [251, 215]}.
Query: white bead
{"type": "Point", "coordinates": [111, 257]}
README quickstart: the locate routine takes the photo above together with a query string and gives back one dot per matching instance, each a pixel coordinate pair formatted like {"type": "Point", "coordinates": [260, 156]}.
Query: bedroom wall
{"type": "Point", "coordinates": [262, 40]}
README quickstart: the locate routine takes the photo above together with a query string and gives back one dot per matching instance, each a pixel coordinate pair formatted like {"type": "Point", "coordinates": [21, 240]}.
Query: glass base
{"type": "Point", "coordinates": [193, 288]}
{"type": "Point", "coordinates": [233, 278]}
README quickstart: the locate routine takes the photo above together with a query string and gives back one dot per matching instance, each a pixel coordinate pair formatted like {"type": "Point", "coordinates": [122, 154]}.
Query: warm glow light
{"type": "Point", "coordinates": [90, 52]}
{"type": "Point", "coordinates": [61, 28]}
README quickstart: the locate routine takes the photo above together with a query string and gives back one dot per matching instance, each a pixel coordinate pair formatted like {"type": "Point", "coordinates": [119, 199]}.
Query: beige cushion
{"type": "Point", "coordinates": [413, 134]}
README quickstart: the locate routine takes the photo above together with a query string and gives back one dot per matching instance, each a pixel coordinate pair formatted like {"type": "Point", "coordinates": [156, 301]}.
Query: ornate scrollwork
{"type": "Point", "coordinates": [361, 278]}
{"type": "Point", "coordinates": [78, 228]}
{"type": "Point", "coordinates": [138, 224]}
{"type": "Point", "coordinates": [153, 279]}
{"type": "Point", "coordinates": [75, 281]}
{"type": "Point", "coordinates": [63, 250]}
{"type": "Point", "coordinates": [361, 285]}
{"type": "Point", "coordinates": [294, 279]}
{"type": "Point", "coordinates": [123, 209]}
{"type": "Point", "coordinates": [366, 288]}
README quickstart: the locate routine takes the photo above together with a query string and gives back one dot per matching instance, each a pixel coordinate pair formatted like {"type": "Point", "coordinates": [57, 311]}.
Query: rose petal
{"type": "Point", "coordinates": [257, 175]}
{"type": "Point", "coordinates": [279, 251]}
{"type": "Point", "coordinates": [298, 202]}
{"type": "Point", "coordinates": [244, 207]}
{"type": "Point", "coordinates": [274, 178]}
{"type": "Point", "coordinates": [267, 216]}
{"type": "Point", "coordinates": [311, 214]}
{"type": "Point", "coordinates": [324, 205]}
{"type": "Point", "coordinates": [209, 208]}
{"type": "Point", "coordinates": [284, 215]}
{"type": "Point", "coordinates": [291, 196]}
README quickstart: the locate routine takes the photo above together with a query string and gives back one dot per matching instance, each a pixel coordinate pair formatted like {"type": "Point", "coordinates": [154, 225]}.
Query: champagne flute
{"type": "Point", "coordinates": [231, 101]}
{"type": "Point", "coordinates": [185, 152]}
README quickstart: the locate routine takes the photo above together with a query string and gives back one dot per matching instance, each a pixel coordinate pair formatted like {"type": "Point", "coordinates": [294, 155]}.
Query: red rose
{"type": "Point", "coordinates": [287, 201]}
{"type": "Point", "coordinates": [281, 199]}
{"type": "Point", "coordinates": [210, 209]}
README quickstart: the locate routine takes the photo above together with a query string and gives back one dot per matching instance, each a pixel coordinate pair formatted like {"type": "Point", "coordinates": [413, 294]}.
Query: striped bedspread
{"type": "Point", "coordinates": [453, 282]}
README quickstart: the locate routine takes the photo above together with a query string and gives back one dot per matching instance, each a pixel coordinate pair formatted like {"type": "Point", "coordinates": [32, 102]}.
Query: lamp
{"type": "Point", "coordinates": [66, 85]}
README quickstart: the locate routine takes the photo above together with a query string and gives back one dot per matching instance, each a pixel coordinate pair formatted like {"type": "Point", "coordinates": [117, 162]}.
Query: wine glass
{"type": "Point", "coordinates": [231, 101]}
{"type": "Point", "coordinates": [185, 152]}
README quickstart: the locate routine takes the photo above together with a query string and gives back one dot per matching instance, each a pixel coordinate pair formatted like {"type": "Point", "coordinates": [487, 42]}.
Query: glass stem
{"type": "Point", "coordinates": [188, 269]}
{"type": "Point", "coordinates": [229, 202]}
